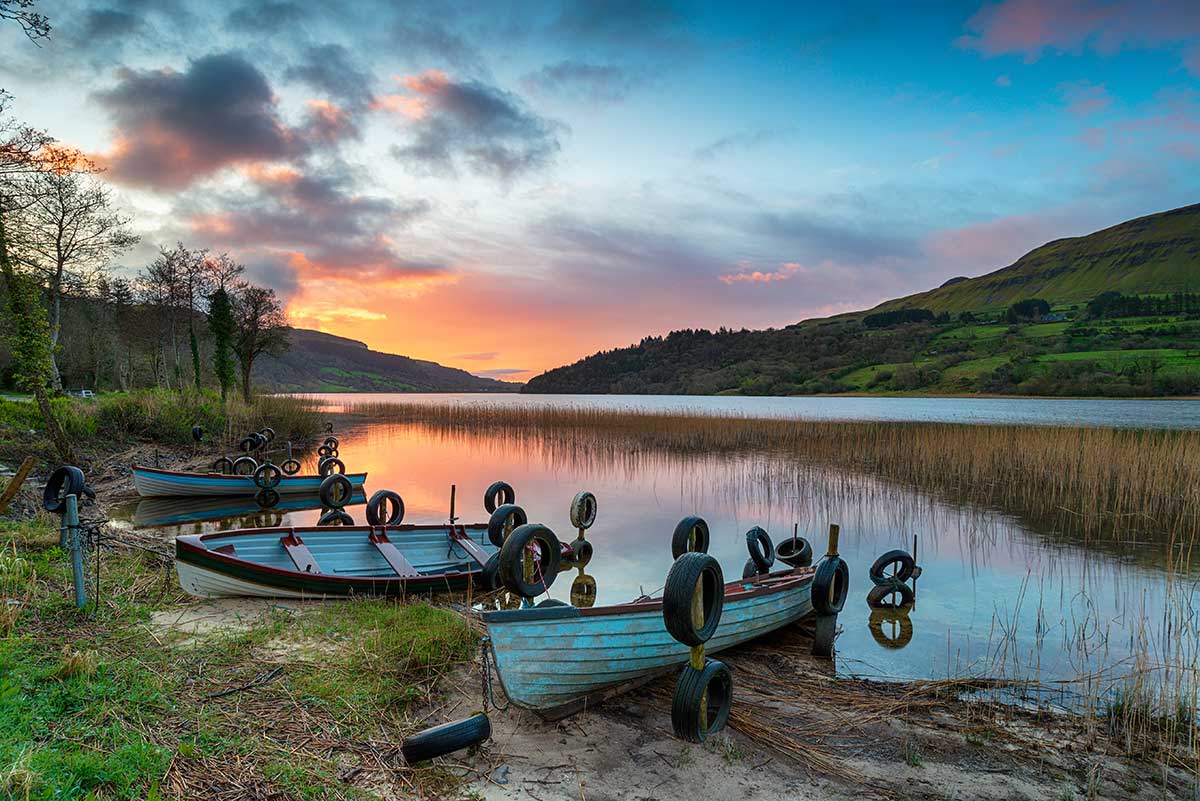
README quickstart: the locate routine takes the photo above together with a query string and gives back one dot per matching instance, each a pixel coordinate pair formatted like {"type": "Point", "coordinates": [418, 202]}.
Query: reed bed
{"type": "Point", "coordinates": [1091, 479]}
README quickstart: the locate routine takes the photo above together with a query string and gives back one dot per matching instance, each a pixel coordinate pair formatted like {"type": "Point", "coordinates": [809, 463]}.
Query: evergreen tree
{"type": "Point", "coordinates": [220, 322]}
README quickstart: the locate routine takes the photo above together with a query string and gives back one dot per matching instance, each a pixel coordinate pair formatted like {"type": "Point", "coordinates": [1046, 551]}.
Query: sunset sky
{"type": "Point", "coordinates": [506, 187]}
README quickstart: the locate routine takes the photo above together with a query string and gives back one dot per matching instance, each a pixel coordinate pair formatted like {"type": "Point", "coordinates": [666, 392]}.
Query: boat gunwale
{"type": "Point", "coordinates": [192, 545]}
{"type": "Point", "coordinates": [227, 476]}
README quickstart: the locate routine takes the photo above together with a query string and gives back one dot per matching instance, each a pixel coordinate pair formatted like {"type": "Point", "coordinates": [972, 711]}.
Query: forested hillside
{"type": "Point", "coordinates": [1114, 313]}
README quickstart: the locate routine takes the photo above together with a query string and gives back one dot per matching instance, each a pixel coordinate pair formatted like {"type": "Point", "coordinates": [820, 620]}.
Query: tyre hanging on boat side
{"type": "Point", "coordinates": [330, 466]}
{"type": "Point", "coordinates": [504, 519]}
{"type": "Point", "coordinates": [762, 551]}
{"type": "Point", "coordinates": [498, 494]}
{"type": "Point", "coordinates": [335, 491]}
{"type": "Point", "coordinates": [903, 569]}
{"type": "Point", "coordinates": [692, 574]}
{"type": "Point", "coordinates": [691, 534]}
{"type": "Point", "coordinates": [703, 699]}
{"type": "Point", "coordinates": [795, 552]}
{"type": "Point", "coordinates": [830, 584]}
{"type": "Point", "coordinates": [386, 508]}
{"type": "Point", "coordinates": [583, 510]}
{"type": "Point", "coordinates": [224, 466]}
{"type": "Point", "coordinates": [267, 476]}
{"type": "Point", "coordinates": [244, 466]}
{"type": "Point", "coordinates": [446, 738]}
{"type": "Point", "coordinates": [290, 466]}
{"type": "Point", "coordinates": [529, 560]}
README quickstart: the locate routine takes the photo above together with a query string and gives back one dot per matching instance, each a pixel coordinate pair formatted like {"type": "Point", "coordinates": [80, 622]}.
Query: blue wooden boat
{"type": "Point", "coordinates": [555, 660]}
{"type": "Point", "coordinates": [319, 562]}
{"type": "Point", "coordinates": [151, 482]}
{"type": "Point", "coordinates": [155, 512]}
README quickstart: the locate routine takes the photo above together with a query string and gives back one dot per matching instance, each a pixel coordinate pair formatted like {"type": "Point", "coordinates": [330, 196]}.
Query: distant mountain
{"type": "Point", "coordinates": [955, 339]}
{"type": "Point", "coordinates": [319, 362]}
{"type": "Point", "coordinates": [1154, 255]}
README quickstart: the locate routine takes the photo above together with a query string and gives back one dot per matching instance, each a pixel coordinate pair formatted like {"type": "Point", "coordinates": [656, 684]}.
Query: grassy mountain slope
{"type": "Point", "coordinates": [1153, 255]}
{"type": "Point", "coordinates": [319, 362]}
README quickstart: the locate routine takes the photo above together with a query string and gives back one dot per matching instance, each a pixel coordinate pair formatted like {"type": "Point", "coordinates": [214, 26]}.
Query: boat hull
{"type": "Point", "coordinates": [554, 660]}
{"type": "Point", "coordinates": [177, 511]}
{"type": "Point", "coordinates": [255, 562]}
{"type": "Point", "coordinates": [150, 482]}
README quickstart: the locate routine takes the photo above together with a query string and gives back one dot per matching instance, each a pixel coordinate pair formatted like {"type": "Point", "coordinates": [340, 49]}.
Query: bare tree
{"type": "Point", "coordinates": [66, 234]}
{"type": "Point", "coordinates": [261, 327]}
{"type": "Point", "coordinates": [35, 25]}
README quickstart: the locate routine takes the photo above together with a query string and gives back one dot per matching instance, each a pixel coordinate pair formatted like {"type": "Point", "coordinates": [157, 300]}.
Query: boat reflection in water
{"type": "Point", "coordinates": [243, 512]}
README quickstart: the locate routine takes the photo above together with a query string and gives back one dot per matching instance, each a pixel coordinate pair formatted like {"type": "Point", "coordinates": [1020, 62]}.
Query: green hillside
{"type": "Point", "coordinates": [1157, 254]}
{"type": "Point", "coordinates": [965, 337]}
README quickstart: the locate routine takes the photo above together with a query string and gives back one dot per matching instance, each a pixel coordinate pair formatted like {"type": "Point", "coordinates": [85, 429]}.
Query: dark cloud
{"type": "Point", "coordinates": [617, 22]}
{"type": "Point", "coordinates": [174, 127]}
{"type": "Point", "coordinates": [108, 23]}
{"type": "Point", "coordinates": [813, 237]}
{"type": "Point", "coordinates": [430, 42]}
{"type": "Point", "coordinates": [264, 17]}
{"type": "Point", "coordinates": [599, 83]}
{"type": "Point", "coordinates": [332, 70]}
{"type": "Point", "coordinates": [318, 221]}
{"type": "Point", "coordinates": [490, 131]}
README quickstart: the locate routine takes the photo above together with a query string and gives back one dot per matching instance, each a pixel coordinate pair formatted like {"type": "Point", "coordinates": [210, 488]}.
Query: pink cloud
{"type": "Point", "coordinates": [992, 244]}
{"type": "Point", "coordinates": [785, 271]}
{"type": "Point", "coordinates": [1030, 27]}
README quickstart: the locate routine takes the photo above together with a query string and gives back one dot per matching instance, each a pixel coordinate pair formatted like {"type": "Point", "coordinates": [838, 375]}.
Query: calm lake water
{"type": "Point", "coordinates": [999, 596]}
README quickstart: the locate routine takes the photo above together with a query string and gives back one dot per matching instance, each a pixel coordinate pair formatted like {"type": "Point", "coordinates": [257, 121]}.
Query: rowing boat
{"type": "Point", "coordinates": [152, 482]}
{"type": "Point", "coordinates": [557, 659]}
{"type": "Point", "coordinates": [164, 511]}
{"type": "Point", "coordinates": [325, 561]}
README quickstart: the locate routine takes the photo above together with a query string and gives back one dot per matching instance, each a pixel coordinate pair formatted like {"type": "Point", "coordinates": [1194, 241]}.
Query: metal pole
{"type": "Point", "coordinates": [71, 519]}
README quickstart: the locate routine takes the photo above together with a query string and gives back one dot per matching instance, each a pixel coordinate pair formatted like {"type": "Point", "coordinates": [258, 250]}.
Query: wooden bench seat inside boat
{"type": "Point", "coordinates": [403, 567]}
{"type": "Point", "coordinates": [298, 551]}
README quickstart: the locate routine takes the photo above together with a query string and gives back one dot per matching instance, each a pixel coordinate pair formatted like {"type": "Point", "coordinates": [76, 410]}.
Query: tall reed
{"type": "Point", "coordinates": [1090, 479]}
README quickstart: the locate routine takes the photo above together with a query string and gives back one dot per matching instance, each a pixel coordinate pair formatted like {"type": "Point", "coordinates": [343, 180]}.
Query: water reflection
{"type": "Point", "coordinates": [998, 594]}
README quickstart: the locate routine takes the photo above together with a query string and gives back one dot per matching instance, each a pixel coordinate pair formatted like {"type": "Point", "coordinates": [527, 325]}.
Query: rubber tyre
{"type": "Point", "coordinates": [247, 444]}
{"type": "Point", "coordinates": [879, 567]}
{"type": "Point", "coordinates": [687, 571]}
{"type": "Point", "coordinates": [327, 466]}
{"type": "Point", "coordinates": [690, 690]}
{"type": "Point", "coordinates": [749, 570]}
{"type": "Point", "coordinates": [830, 584]}
{"type": "Point", "coordinates": [691, 534]}
{"type": "Point", "coordinates": [335, 491]}
{"type": "Point", "coordinates": [762, 550]}
{"type": "Point", "coordinates": [446, 739]}
{"type": "Point", "coordinates": [489, 576]}
{"type": "Point", "coordinates": [581, 552]}
{"type": "Point", "coordinates": [551, 602]}
{"type": "Point", "coordinates": [66, 480]}
{"type": "Point", "coordinates": [266, 498]}
{"type": "Point", "coordinates": [244, 466]}
{"type": "Point", "coordinates": [198, 433]}
{"type": "Point", "coordinates": [335, 517]}
{"type": "Point", "coordinates": [499, 488]}
{"type": "Point", "coordinates": [224, 466]}
{"type": "Point", "coordinates": [267, 476]}
{"type": "Point", "coordinates": [512, 560]}
{"type": "Point", "coordinates": [878, 597]}
{"type": "Point", "coordinates": [583, 510]}
{"type": "Point", "coordinates": [386, 508]}
{"type": "Point", "coordinates": [324, 451]}
{"type": "Point", "coordinates": [500, 516]}
{"type": "Point", "coordinates": [332, 442]}
{"type": "Point", "coordinates": [268, 434]}
{"type": "Point", "coordinates": [799, 555]}
{"type": "Point", "coordinates": [290, 466]}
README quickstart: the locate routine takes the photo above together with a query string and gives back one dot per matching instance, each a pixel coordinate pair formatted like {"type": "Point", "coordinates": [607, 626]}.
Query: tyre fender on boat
{"type": "Point", "coordinates": [335, 491]}
{"type": "Point", "coordinates": [504, 519]}
{"type": "Point", "coordinates": [331, 465]}
{"type": "Point", "coordinates": [224, 466]}
{"type": "Point", "coordinates": [583, 510]}
{"type": "Point", "coordinates": [529, 560]}
{"type": "Point", "coordinates": [691, 534]}
{"type": "Point", "coordinates": [244, 466]}
{"type": "Point", "coordinates": [903, 561]}
{"type": "Point", "coordinates": [386, 508]}
{"type": "Point", "coordinates": [498, 494]}
{"type": "Point", "coordinates": [703, 699]}
{"type": "Point", "coordinates": [762, 550]}
{"type": "Point", "coordinates": [691, 620]}
{"type": "Point", "coordinates": [290, 466]}
{"type": "Point", "coordinates": [795, 551]}
{"type": "Point", "coordinates": [267, 476]}
{"type": "Point", "coordinates": [830, 585]}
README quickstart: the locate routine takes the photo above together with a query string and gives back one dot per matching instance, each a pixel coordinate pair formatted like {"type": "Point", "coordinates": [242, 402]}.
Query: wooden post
{"type": "Point", "coordinates": [834, 530]}
{"type": "Point", "coordinates": [15, 482]}
{"type": "Point", "coordinates": [697, 654]}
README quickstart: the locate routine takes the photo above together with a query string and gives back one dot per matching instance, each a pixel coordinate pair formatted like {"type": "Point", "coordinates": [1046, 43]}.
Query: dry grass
{"type": "Point", "coordinates": [1095, 480]}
